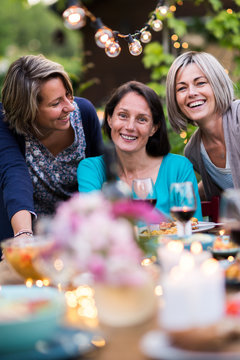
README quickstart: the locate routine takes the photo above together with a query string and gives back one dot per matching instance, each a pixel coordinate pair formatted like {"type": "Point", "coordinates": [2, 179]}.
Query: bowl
{"type": "Point", "coordinates": [28, 315]}
{"type": "Point", "coordinates": [21, 253]}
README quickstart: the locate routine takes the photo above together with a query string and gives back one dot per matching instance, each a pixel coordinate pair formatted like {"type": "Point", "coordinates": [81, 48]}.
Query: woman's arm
{"type": "Point", "coordinates": [22, 222]}
{"type": "Point", "coordinates": [201, 191]}
{"type": "Point", "coordinates": [15, 182]}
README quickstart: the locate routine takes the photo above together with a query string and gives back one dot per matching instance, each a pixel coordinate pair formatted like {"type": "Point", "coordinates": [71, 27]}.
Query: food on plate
{"type": "Point", "coordinates": [12, 310]}
{"type": "Point", "coordinates": [223, 243]}
{"type": "Point", "coordinates": [233, 270]}
{"type": "Point", "coordinates": [194, 222]}
{"type": "Point", "coordinates": [169, 228]}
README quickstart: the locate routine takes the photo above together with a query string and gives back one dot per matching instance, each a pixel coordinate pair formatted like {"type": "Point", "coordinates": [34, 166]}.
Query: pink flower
{"type": "Point", "coordinates": [99, 238]}
{"type": "Point", "coordinates": [137, 211]}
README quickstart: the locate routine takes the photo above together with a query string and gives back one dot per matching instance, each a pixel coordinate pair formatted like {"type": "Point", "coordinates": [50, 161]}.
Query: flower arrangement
{"type": "Point", "coordinates": [100, 238]}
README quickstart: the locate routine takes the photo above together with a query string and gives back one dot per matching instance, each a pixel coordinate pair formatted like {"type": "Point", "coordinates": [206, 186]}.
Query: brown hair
{"type": "Point", "coordinates": [21, 90]}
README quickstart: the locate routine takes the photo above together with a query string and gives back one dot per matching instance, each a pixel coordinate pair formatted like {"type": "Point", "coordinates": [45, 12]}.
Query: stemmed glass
{"type": "Point", "coordinates": [144, 190]}
{"type": "Point", "coordinates": [182, 206]}
{"type": "Point", "coordinates": [230, 213]}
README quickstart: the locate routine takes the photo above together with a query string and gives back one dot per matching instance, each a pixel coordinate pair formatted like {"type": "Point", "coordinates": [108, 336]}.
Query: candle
{"type": "Point", "coordinates": [193, 293]}
{"type": "Point", "coordinates": [169, 254]}
{"type": "Point", "coordinates": [199, 255]}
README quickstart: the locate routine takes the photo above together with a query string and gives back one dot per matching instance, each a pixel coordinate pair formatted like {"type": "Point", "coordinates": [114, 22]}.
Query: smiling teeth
{"type": "Point", "coordinates": [196, 103]}
{"type": "Point", "coordinates": [129, 137]}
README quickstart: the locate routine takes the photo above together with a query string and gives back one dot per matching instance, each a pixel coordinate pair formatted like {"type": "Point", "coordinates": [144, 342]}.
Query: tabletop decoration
{"type": "Point", "coordinates": [193, 287]}
{"type": "Point", "coordinates": [97, 237]}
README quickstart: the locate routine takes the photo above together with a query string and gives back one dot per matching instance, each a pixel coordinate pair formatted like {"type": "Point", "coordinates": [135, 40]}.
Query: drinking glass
{"type": "Point", "coordinates": [144, 190]}
{"type": "Point", "coordinates": [230, 213]}
{"type": "Point", "coordinates": [183, 205]}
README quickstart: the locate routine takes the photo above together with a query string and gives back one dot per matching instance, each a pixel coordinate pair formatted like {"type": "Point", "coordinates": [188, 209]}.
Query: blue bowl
{"type": "Point", "coordinates": [28, 315]}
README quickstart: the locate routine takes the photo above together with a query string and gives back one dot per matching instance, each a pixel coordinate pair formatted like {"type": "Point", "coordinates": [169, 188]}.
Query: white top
{"type": "Point", "coordinates": [221, 176]}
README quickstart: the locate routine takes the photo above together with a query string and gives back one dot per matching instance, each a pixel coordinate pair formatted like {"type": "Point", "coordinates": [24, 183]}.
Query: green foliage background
{"type": "Point", "coordinates": [25, 30]}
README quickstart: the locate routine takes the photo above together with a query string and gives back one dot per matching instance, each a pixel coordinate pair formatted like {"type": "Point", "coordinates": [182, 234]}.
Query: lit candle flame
{"type": "Point", "coordinates": [175, 246]}
{"type": "Point", "coordinates": [210, 266]}
{"type": "Point", "coordinates": [196, 248]}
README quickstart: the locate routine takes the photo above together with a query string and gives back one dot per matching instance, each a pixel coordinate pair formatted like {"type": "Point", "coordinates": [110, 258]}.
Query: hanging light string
{"type": "Point", "coordinates": [75, 17]}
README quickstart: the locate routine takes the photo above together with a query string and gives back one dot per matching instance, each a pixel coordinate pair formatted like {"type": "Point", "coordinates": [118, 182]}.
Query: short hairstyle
{"type": "Point", "coordinates": [219, 80]}
{"type": "Point", "coordinates": [21, 90]}
{"type": "Point", "coordinates": [158, 144]}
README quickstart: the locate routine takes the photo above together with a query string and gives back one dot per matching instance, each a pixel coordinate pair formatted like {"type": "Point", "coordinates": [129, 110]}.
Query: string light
{"type": "Point", "coordinates": [135, 47]}
{"type": "Point", "coordinates": [74, 17]}
{"type": "Point", "coordinates": [103, 36]}
{"type": "Point", "coordinates": [146, 36]}
{"type": "Point", "coordinates": [76, 14]}
{"type": "Point", "coordinates": [163, 10]}
{"type": "Point", "coordinates": [157, 25]}
{"type": "Point", "coordinates": [112, 49]}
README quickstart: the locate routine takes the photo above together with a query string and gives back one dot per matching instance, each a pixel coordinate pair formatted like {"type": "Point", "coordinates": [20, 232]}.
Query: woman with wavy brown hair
{"type": "Point", "coordinates": [44, 133]}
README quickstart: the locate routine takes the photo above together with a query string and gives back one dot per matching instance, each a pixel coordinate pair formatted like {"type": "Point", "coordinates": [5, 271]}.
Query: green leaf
{"type": "Point", "coordinates": [216, 4]}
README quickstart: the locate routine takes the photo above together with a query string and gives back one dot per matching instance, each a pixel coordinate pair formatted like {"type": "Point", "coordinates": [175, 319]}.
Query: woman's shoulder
{"type": "Point", "coordinates": [176, 159]}
{"type": "Point", "coordinates": [83, 103]}
{"type": "Point", "coordinates": [93, 161]}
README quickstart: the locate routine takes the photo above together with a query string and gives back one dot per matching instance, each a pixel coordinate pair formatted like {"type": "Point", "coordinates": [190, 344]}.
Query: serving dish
{"type": "Point", "coordinates": [28, 315]}
{"type": "Point", "coordinates": [21, 253]}
{"type": "Point", "coordinates": [156, 345]}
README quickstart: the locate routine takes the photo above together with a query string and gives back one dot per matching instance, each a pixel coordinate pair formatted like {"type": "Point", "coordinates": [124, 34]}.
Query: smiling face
{"type": "Point", "coordinates": [194, 94]}
{"type": "Point", "coordinates": [54, 108]}
{"type": "Point", "coordinates": [131, 123]}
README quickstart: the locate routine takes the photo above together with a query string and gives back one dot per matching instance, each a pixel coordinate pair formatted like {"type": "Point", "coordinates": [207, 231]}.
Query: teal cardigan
{"type": "Point", "coordinates": [91, 175]}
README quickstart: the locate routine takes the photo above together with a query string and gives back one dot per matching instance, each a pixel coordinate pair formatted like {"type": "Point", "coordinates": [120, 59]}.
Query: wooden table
{"type": "Point", "coordinates": [121, 343]}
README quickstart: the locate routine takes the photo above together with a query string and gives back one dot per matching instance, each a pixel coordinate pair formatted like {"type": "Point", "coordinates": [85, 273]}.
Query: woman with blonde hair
{"type": "Point", "coordinates": [200, 92]}
{"type": "Point", "coordinates": [44, 133]}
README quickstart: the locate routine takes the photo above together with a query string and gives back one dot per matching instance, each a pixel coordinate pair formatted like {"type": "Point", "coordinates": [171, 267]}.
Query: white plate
{"type": "Point", "coordinates": [155, 345]}
{"type": "Point", "coordinates": [204, 226]}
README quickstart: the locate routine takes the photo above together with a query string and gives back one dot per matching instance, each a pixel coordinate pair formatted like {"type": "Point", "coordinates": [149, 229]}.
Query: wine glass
{"type": "Point", "coordinates": [230, 213]}
{"type": "Point", "coordinates": [182, 206]}
{"type": "Point", "coordinates": [144, 190]}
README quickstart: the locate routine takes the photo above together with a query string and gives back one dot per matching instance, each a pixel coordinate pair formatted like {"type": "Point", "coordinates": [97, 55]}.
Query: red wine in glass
{"type": "Point", "coordinates": [183, 214]}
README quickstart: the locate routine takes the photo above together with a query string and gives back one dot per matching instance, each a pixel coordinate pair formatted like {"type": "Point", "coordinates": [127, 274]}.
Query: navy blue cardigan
{"type": "Point", "coordinates": [16, 189]}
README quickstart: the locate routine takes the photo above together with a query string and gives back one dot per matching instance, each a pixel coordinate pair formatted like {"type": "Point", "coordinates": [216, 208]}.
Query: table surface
{"type": "Point", "coordinates": [121, 343]}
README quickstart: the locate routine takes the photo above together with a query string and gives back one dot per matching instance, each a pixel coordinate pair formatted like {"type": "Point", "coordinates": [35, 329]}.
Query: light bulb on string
{"type": "Point", "coordinates": [103, 34]}
{"type": "Point", "coordinates": [146, 36]}
{"type": "Point", "coordinates": [135, 47]}
{"type": "Point", "coordinates": [74, 17]}
{"type": "Point", "coordinates": [157, 25]}
{"type": "Point", "coordinates": [112, 48]}
{"type": "Point", "coordinates": [162, 10]}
